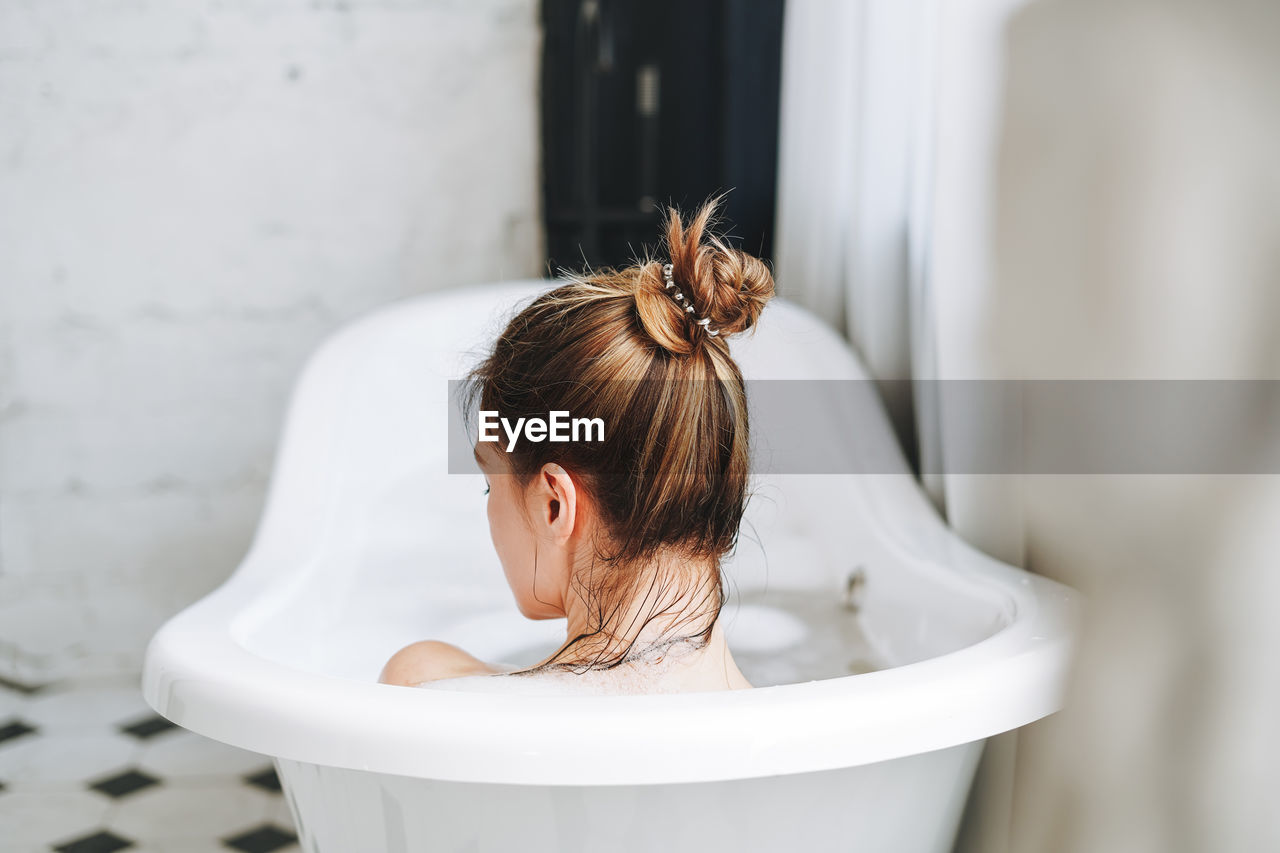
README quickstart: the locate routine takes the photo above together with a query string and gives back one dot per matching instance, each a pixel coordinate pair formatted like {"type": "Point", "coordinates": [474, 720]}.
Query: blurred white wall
{"type": "Point", "coordinates": [1137, 235]}
{"type": "Point", "coordinates": [1102, 202]}
{"type": "Point", "coordinates": [192, 195]}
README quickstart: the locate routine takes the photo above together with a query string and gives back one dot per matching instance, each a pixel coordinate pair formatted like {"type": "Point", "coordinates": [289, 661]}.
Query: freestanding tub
{"type": "Point", "coordinates": [367, 543]}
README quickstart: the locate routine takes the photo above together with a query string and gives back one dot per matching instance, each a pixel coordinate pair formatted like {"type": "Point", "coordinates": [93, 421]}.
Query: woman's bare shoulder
{"type": "Point", "coordinates": [428, 660]}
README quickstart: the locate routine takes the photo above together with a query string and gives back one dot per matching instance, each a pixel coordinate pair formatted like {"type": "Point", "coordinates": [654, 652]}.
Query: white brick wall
{"type": "Point", "coordinates": [192, 195]}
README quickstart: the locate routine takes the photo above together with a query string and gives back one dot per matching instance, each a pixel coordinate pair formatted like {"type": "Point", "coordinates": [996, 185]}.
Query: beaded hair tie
{"type": "Point", "coordinates": [702, 321]}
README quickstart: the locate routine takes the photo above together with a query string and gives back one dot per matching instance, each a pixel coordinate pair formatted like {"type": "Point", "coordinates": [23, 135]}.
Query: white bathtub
{"type": "Point", "coordinates": [367, 544]}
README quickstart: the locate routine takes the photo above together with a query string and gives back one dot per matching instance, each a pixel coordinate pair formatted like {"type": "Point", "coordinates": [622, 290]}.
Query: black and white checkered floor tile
{"type": "Point", "coordinates": [89, 768]}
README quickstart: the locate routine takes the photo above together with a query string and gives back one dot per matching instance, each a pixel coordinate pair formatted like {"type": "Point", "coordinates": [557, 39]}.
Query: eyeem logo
{"type": "Point", "coordinates": [557, 427]}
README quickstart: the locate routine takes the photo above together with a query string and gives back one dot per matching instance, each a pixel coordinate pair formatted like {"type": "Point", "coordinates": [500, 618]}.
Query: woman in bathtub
{"type": "Point", "coordinates": [622, 536]}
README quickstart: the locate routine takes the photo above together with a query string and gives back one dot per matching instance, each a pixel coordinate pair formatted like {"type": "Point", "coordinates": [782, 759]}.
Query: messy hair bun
{"type": "Point", "coordinates": [727, 287]}
{"type": "Point", "coordinates": [671, 471]}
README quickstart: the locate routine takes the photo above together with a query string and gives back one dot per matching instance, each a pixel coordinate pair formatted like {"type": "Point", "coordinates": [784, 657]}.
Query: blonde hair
{"type": "Point", "coordinates": [672, 471]}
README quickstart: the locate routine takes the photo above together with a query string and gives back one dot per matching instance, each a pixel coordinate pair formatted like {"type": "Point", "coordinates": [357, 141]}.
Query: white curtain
{"type": "Point", "coordinates": [888, 110]}
{"type": "Point", "coordinates": [847, 173]}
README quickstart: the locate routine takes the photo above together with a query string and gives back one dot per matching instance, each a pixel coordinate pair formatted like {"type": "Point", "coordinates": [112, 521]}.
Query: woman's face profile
{"type": "Point", "coordinates": [513, 537]}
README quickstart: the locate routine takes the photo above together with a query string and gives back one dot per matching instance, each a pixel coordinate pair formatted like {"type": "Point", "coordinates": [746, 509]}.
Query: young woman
{"type": "Point", "coordinates": [619, 533]}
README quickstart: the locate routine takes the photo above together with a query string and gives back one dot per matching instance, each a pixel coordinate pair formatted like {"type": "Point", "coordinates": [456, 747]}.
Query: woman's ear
{"type": "Point", "coordinates": [557, 499]}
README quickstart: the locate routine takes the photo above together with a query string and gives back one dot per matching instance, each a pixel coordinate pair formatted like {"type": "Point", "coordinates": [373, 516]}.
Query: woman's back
{"type": "Point", "coordinates": [679, 667]}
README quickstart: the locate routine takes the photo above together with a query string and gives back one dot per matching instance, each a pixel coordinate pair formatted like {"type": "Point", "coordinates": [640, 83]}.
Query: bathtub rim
{"type": "Point", "coordinates": [198, 676]}
{"type": "Point", "coordinates": [201, 679]}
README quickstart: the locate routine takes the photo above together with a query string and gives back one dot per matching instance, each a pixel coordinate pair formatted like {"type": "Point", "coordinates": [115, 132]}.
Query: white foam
{"type": "Point", "coordinates": [545, 684]}
{"type": "Point", "coordinates": [621, 680]}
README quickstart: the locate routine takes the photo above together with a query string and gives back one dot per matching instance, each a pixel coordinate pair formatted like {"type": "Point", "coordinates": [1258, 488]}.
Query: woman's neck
{"type": "Point", "coordinates": [669, 630]}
